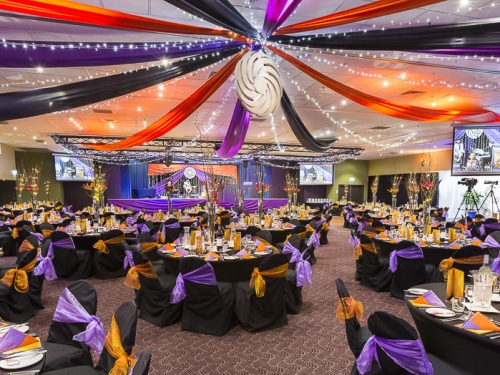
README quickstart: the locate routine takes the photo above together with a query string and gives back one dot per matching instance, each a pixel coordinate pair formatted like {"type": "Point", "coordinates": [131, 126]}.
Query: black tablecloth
{"type": "Point", "coordinates": [470, 351]}
{"type": "Point", "coordinates": [227, 271]}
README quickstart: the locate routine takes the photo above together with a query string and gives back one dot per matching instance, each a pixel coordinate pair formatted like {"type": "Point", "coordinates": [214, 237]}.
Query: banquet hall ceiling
{"type": "Point", "coordinates": [440, 84]}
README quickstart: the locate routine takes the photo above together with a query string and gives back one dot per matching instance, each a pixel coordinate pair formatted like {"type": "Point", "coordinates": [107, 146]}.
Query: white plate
{"type": "Point", "coordinates": [417, 291]}
{"type": "Point", "coordinates": [261, 252]}
{"type": "Point", "coordinates": [440, 313]}
{"type": "Point", "coordinates": [21, 328]}
{"type": "Point", "coordinates": [231, 257]}
{"type": "Point", "coordinates": [383, 239]}
{"type": "Point", "coordinates": [20, 362]}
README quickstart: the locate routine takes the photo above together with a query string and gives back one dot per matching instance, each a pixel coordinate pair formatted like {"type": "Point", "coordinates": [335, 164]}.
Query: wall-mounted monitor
{"type": "Point", "coordinates": [476, 151]}
{"type": "Point", "coordinates": [316, 174]}
{"type": "Point", "coordinates": [71, 168]}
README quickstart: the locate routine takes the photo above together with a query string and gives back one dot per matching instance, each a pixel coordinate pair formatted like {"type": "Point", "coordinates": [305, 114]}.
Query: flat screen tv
{"type": "Point", "coordinates": [476, 151]}
{"type": "Point", "coordinates": [71, 168]}
{"type": "Point", "coordinates": [316, 174]}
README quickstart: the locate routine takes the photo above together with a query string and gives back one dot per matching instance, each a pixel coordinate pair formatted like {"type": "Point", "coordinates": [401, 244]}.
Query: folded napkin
{"type": "Point", "coordinates": [476, 242]}
{"type": "Point", "coordinates": [168, 247]}
{"type": "Point", "coordinates": [396, 239]}
{"type": "Point", "coordinates": [381, 235]}
{"type": "Point", "coordinates": [242, 254]}
{"type": "Point", "coordinates": [211, 256]}
{"type": "Point", "coordinates": [453, 245]}
{"type": "Point", "coordinates": [261, 247]}
{"type": "Point", "coordinates": [182, 252]}
{"type": "Point", "coordinates": [478, 323]}
{"type": "Point", "coordinates": [428, 299]}
{"type": "Point", "coordinates": [15, 339]}
{"type": "Point", "coordinates": [287, 225]}
{"type": "Point", "coordinates": [422, 243]}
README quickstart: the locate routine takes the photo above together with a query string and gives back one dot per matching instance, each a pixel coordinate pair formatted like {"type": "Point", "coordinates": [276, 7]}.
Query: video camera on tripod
{"type": "Point", "coordinates": [489, 182]}
{"type": "Point", "coordinates": [469, 182]}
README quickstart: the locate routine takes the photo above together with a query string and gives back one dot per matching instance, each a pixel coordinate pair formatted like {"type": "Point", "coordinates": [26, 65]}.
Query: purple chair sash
{"type": "Point", "coordinates": [323, 220]}
{"type": "Point", "coordinates": [128, 261]}
{"type": "Point", "coordinates": [313, 240]}
{"type": "Point", "coordinates": [354, 241]}
{"type": "Point", "coordinates": [141, 228]}
{"type": "Point", "coordinates": [45, 267]}
{"type": "Point", "coordinates": [66, 243]}
{"type": "Point", "coordinates": [202, 275]}
{"type": "Point", "coordinates": [38, 235]}
{"type": "Point", "coordinates": [353, 220]}
{"type": "Point", "coordinates": [361, 226]}
{"type": "Point", "coordinates": [69, 310]}
{"type": "Point", "coordinates": [491, 242]}
{"type": "Point", "coordinates": [173, 225]}
{"type": "Point", "coordinates": [409, 354]}
{"type": "Point", "coordinates": [482, 228]}
{"type": "Point", "coordinates": [411, 252]}
{"type": "Point", "coordinates": [303, 269]}
{"type": "Point", "coordinates": [349, 215]}
{"type": "Point", "coordinates": [495, 265]}
{"type": "Point", "coordinates": [445, 215]}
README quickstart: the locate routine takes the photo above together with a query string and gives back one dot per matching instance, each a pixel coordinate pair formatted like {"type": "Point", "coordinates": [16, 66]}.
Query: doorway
{"type": "Point", "coordinates": [355, 193]}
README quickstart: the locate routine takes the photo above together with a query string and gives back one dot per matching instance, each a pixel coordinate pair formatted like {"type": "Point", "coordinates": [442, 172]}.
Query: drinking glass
{"type": "Point", "coordinates": [458, 305]}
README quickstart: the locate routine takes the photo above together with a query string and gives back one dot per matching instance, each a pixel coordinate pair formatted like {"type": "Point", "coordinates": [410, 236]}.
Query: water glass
{"type": "Point", "coordinates": [458, 305]}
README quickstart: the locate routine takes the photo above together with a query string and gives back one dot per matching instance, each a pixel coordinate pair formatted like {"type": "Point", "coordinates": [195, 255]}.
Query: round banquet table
{"type": "Point", "coordinates": [226, 271]}
{"type": "Point", "coordinates": [470, 351]}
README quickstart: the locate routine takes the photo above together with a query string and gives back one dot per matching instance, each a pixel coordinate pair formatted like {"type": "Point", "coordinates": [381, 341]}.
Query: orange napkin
{"type": "Point", "coordinates": [176, 255]}
{"type": "Point", "coordinates": [422, 243]}
{"type": "Point", "coordinates": [261, 247]}
{"type": "Point", "coordinates": [287, 225]}
{"type": "Point", "coordinates": [478, 323]}
{"type": "Point", "coordinates": [476, 242]}
{"type": "Point", "coordinates": [382, 235]}
{"type": "Point", "coordinates": [168, 247]}
{"type": "Point", "coordinates": [211, 256]}
{"type": "Point", "coordinates": [454, 245]}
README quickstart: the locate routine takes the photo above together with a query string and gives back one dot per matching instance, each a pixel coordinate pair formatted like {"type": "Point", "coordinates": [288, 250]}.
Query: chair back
{"type": "Point", "coordinates": [274, 286]}
{"type": "Point", "coordinates": [143, 362]}
{"type": "Point", "coordinates": [171, 234]}
{"type": "Point", "coordinates": [378, 226]}
{"type": "Point", "coordinates": [65, 260]}
{"type": "Point", "coordinates": [352, 325]}
{"type": "Point", "coordinates": [468, 252]}
{"type": "Point", "coordinates": [126, 319]}
{"type": "Point", "coordinates": [409, 272]}
{"type": "Point", "coordinates": [62, 333]}
{"type": "Point", "coordinates": [112, 261]}
{"type": "Point", "coordinates": [369, 251]}
{"type": "Point", "coordinates": [264, 235]}
{"type": "Point", "coordinates": [251, 230]}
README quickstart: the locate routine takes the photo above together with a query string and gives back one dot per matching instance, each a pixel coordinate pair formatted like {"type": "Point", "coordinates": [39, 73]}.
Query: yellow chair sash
{"type": "Point", "coordinates": [326, 227]}
{"type": "Point", "coordinates": [19, 277]}
{"type": "Point", "coordinates": [309, 229]}
{"type": "Point", "coordinates": [369, 234]}
{"type": "Point", "coordinates": [369, 247]}
{"type": "Point", "coordinates": [25, 246]}
{"type": "Point", "coordinates": [302, 235]}
{"type": "Point", "coordinates": [379, 229]}
{"type": "Point", "coordinates": [447, 264]}
{"type": "Point", "coordinates": [123, 361]}
{"type": "Point", "coordinates": [460, 226]}
{"type": "Point", "coordinates": [132, 278]}
{"type": "Point", "coordinates": [15, 232]}
{"type": "Point", "coordinates": [146, 247]}
{"type": "Point", "coordinates": [258, 282]}
{"type": "Point", "coordinates": [47, 232]}
{"type": "Point", "coordinates": [357, 252]}
{"type": "Point", "coordinates": [227, 234]}
{"type": "Point", "coordinates": [348, 308]}
{"type": "Point", "coordinates": [102, 245]}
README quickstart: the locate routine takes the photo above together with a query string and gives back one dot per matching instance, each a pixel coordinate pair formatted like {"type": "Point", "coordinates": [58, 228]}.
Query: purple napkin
{"type": "Point", "coordinates": [433, 299]}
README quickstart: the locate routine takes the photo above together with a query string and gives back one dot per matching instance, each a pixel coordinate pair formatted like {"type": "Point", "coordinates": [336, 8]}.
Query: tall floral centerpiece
{"type": "Point", "coordinates": [428, 185]}
{"type": "Point", "coordinates": [33, 182]}
{"type": "Point", "coordinates": [240, 197]}
{"type": "Point", "coordinates": [291, 187]}
{"type": "Point", "coordinates": [20, 184]}
{"type": "Point", "coordinates": [394, 190]}
{"type": "Point", "coordinates": [261, 188]}
{"type": "Point", "coordinates": [46, 188]}
{"type": "Point", "coordinates": [413, 188]}
{"type": "Point", "coordinates": [374, 188]}
{"type": "Point", "coordinates": [97, 188]}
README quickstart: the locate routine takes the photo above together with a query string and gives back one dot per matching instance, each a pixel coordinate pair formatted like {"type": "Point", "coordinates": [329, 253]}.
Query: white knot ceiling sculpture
{"type": "Point", "coordinates": [258, 84]}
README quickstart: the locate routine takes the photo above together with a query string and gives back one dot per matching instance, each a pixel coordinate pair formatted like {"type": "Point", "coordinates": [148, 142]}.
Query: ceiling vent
{"type": "Point", "coordinates": [102, 111]}
{"type": "Point", "coordinates": [380, 128]}
{"type": "Point", "coordinates": [413, 92]}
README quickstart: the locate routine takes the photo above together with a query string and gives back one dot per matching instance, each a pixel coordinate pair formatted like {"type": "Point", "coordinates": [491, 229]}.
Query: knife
{"type": "Point", "coordinates": [32, 372]}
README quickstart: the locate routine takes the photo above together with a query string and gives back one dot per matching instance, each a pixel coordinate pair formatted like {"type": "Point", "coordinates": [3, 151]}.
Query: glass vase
{"type": "Point", "coordinates": [394, 202]}
{"type": "Point", "coordinates": [211, 208]}
{"type": "Point", "coordinates": [295, 199]}
{"type": "Point", "coordinates": [426, 217]}
{"type": "Point", "coordinates": [260, 201]}
{"type": "Point", "coordinates": [374, 200]}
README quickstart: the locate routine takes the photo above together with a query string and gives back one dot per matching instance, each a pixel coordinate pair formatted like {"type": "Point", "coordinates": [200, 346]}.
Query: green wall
{"type": "Point", "coordinates": [28, 159]}
{"type": "Point", "coordinates": [346, 170]}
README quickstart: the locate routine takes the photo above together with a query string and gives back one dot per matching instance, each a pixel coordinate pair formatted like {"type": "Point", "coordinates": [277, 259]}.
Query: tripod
{"type": "Point", "coordinates": [469, 196]}
{"type": "Point", "coordinates": [493, 199]}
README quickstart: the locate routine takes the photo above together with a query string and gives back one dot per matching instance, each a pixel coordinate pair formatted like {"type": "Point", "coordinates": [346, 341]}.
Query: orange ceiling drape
{"type": "Point", "coordinates": [361, 13]}
{"type": "Point", "coordinates": [72, 11]}
{"type": "Point", "coordinates": [387, 107]}
{"type": "Point", "coordinates": [173, 118]}
{"type": "Point", "coordinates": [220, 170]}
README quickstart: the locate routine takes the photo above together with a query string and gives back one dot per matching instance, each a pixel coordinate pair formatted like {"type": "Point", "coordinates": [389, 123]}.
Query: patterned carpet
{"type": "Point", "coordinates": [312, 343]}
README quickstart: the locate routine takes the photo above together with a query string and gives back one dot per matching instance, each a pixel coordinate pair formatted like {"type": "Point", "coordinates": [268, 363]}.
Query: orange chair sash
{"type": "Point", "coordinates": [460, 226]}
{"type": "Point", "coordinates": [447, 264]}
{"type": "Point", "coordinates": [19, 277]}
{"type": "Point", "coordinates": [47, 232]}
{"type": "Point", "coordinates": [326, 227]}
{"type": "Point", "coordinates": [369, 247]}
{"type": "Point", "coordinates": [123, 361]}
{"type": "Point", "coordinates": [348, 308]}
{"type": "Point", "coordinates": [302, 235]}
{"type": "Point", "coordinates": [258, 282]}
{"type": "Point", "coordinates": [132, 278]}
{"type": "Point", "coordinates": [357, 252]}
{"type": "Point", "coordinates": [15, 232]}
{"type": "Point", "coordinates": [102, 245]}
{"type": "Point", "coordinates": [25, 247]}
{"type": "Point", "coordinates": [146, 247]}
{"type": "Point", "coordinates": [369, 234]}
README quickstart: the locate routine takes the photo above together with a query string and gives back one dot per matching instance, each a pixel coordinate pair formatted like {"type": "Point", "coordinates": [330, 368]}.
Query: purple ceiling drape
{"type": "Point", "coordinates": [68, 54]}
{"type": "Point", "coordinates": [276, 13]}
{"type": "Point", "coordinates": [236, 133]}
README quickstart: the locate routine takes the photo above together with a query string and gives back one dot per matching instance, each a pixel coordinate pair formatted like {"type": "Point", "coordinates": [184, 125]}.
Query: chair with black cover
{"type": "Point", "coordinates": [15, 304]}
{"type": "Point", "coordinates": [148, 246]}
{"type": "Point", "coordinates": [300, 230]}
{"type": "Point", "coordinates": [171, 230]}
{"type": "Point", "coordinates": [122, 334]}
{"type": "Point", "coordinates": [489, 225]}
{"type": "Point", "coordinates": [409, 268]}
{"type": "Point", "coordinates": [358, 255]}
{"type": "Point", "coordinates": [208, 306]}
{"type": "Point", "coordinates": [493, 242]}
{"type": "Point", "coordinates": [153, 292]}
{"type": "Point", "coordinates": [69, 263]}
{"type": "Point", "coordinates": [7, 242]}
{"type": "Point", "coordinates": [62, 350]}
{"type": "Point", "coordinates": [403, 352]}
{"type": "Point", "coordinates": [465, 259]}
{"type": "Point", "coordinates": [110, 254]}
{"type": "Point", "coordinates": [378, 226]}
{"type": "Point", "coordinates": [46, 229]}
{"type": "Point", "coordinates": [141, 367]}
{"type": "Point", "coordinates": [260, 304]}
{"type": "Point", "coordinates": [323, 231]}
{"type": "Point", "coordinates": [376, 276]}
{"type": "Point", "coordinates": [350, 312]}
{"type": "Point", "coordinates": [251, 230]}
{"type": "Point", "coordinates": [19, 233]}
{"type": "Point", "coordinates": [295, 222]}
{"type": "Point", "coordinates": [299, 273]}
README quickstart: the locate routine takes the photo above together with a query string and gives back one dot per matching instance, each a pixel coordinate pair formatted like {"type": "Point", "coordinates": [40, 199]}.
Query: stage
{"type": "Point", "coordinates": [153, 205]}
